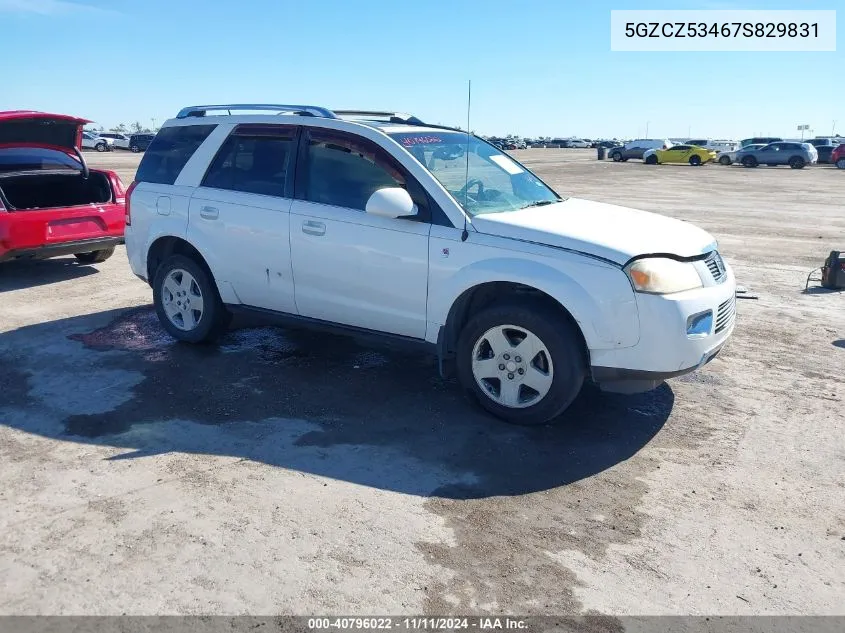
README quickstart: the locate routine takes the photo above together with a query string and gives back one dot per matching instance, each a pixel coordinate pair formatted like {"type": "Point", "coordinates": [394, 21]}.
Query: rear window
{"type": "Point", "coordinates": [36, 158]}
{"type": "Point", "coordinates": [254, 159]}
{"type": "Point", "coordinates": [170, 150]}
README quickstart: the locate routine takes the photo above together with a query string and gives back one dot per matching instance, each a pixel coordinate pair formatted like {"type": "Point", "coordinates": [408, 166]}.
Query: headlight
{"type": "Point", "coordinates": [660, 275]}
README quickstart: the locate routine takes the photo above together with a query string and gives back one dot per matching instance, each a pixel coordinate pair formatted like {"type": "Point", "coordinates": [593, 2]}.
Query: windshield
{"type": "Point", "coordinates": [481, 178]}
{"type": "Point", "coordinates": [36, 158]}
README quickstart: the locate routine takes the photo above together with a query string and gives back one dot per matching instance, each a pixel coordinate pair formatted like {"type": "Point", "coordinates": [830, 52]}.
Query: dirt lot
{"type": "Point", "coordinates": [288, 472]}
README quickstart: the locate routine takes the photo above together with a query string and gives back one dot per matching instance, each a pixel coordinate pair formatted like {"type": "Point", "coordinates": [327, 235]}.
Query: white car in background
{"type": "Point", "coordinates": [116, 139]}
{"type": "Point", "coordinates": [729, 158]}
{"type": "Point", "coordinates": [717, 145]}
{"type": "Point", "coordinates": [578, 143]}
{"type": "Point", "coordinates": [92, 140]}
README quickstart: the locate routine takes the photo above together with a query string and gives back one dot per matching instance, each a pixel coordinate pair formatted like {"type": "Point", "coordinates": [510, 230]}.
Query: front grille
{"type": "Point", "coordinates": [716, 267]}
{"type": "Point", "coordinates": [725, 314]}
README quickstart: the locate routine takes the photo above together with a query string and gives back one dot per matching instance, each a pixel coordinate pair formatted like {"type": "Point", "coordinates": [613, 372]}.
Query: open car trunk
{"type": "Point", "coordinates": [46, 191]}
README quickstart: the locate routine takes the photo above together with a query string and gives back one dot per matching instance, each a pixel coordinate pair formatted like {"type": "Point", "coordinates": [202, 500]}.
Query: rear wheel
{"type": "Point", "coordinates": [796, 162]}
{"type": "Point", "coordinates": [724, 160]}
{"type": "Point", "coordinates": [95, 257]}
{"type": "Point", "coordinates": [616, 156]}
{"type": "Point", "coordinates": [100, 147]}
{"type": "Point", "coordinates": [749, 161]}
{"type": "Point", "coordinates": [522, 362]}
{"type": "Point", "coordinates": [651, 159]}
{"type": "Point", "coordinates": [187, 302]}
{"type": "Point", "coordinates": [695, 161]}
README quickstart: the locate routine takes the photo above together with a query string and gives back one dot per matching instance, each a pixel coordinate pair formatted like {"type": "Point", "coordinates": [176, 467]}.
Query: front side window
{"type": "Point", "coordinates": [344, 171]}
{"type": "Point", "coordinates": [170, 150]}
{"type": "Point", "coordinates": [254, 159]}
{"type": "Point", "coordinates": [481, 178]}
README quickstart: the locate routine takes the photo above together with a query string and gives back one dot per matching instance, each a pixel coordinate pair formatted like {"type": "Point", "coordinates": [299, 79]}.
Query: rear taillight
{"type": "Point", "coordinates": [129, 191]}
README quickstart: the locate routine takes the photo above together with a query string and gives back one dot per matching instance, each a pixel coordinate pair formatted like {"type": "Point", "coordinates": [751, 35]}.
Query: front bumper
{"type": "Point", "coordinates": [665, 350]}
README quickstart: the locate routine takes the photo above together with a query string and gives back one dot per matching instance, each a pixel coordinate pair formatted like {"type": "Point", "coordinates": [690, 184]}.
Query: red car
{"type": "Point", "coordinates": [51, 204]}
{"type": "Point", "coordinates": [838, 156]}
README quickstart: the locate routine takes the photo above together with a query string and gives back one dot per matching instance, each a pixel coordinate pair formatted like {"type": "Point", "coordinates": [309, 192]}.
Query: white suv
{"type": "Point", "coordinates": [376, 222]}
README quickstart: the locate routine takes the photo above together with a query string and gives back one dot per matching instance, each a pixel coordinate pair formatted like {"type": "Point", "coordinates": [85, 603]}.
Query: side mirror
{"type": "Point", "coordinates": [391, 202]}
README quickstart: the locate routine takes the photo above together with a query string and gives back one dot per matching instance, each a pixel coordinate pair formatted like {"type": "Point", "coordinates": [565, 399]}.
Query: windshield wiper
{"type": "Point", "coordinates": [538, 203]}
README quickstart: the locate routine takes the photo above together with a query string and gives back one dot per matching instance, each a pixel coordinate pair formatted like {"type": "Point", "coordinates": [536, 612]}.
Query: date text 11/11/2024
{"type": "Point", "coordinates": [418, 623]}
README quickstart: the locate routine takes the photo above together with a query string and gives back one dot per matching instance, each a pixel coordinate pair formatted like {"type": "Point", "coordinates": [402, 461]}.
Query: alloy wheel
{"type": "Point", "coordinates": [512, 366]}
{"type": "Point", "coordinates": [182, 299]}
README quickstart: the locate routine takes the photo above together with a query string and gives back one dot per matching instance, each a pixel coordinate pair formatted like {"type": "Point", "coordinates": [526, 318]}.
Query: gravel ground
{"type": "Point", "coordinates": [290, 472]}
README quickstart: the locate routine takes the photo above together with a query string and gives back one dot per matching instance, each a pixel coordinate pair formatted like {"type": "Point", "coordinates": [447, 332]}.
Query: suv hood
{"type": "Point", "coordinates": [40, 129]}
{"type": "Point", "coordinates": [608, 231]}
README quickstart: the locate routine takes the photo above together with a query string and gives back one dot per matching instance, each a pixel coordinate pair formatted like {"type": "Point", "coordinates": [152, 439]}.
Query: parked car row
{"type": "Point", "coordinates": [772, 153]}
{"type": "Point", "coordinates": [107, 141]}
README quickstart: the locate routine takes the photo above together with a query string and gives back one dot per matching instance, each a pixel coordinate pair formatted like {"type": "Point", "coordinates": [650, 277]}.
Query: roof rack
{"type": "Point", "coordinates": [378, 115]}
{"type": "Point", "coordinates": [304, 110]}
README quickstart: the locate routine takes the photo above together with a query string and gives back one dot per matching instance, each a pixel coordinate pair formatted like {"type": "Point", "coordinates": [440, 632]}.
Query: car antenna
{"type": "Point", "coordinates": [465, 233]}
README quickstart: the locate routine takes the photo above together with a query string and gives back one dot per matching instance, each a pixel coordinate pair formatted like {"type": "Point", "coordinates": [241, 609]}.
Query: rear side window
{"type": "Point", "coordinates": [170, 150]}
{"type": "Point", "coordinates": [344, 171]}
{"type": "Point", "coordinates": [254, 159]}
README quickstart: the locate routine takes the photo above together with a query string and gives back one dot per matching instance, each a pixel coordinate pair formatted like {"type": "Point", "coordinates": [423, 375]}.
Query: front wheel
{"type": "Point", "coordinates": [616, 156]}
{"type": "Point", "coordinates": [749, 161]}
{"type": "Point", "coordinates": [187, 302]}
{"type": "Point", "coordinates": [134, 149]}
{"type": "Point", "coordinates": [796, 162]}
{"type": "Point", "coordinates": [651, 160]}
{"type": "Point", "coordinates": [695, 161]}
{"type": "Point", "coordinates": [100, 147]}
{"type": "Point", "coordinates": [95, 257]}
{"type": "Point", "coordinates": [724, 160]}
{"type": "Point", "coordinates": [840, 164]}
{"type": "Point", "coordinates": [522, 362]}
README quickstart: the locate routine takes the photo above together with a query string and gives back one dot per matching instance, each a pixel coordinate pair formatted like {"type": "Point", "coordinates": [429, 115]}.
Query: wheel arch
{"type": "Point", "coordinates": [479, 296]}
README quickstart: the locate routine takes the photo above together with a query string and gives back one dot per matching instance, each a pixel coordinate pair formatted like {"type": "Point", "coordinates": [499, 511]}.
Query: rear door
{"type": "Point", "coordinates": [352, 267]}
{"type": "Point", "coordinates": [240, 214]}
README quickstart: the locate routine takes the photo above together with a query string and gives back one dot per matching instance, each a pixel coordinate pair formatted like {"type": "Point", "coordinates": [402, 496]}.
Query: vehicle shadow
{"type": "Point", "coordinates": [839, 343]}
{"type": "Point", "coordinates": [29, 273]}
{"type": "Point", "coordinates": [312, 402]}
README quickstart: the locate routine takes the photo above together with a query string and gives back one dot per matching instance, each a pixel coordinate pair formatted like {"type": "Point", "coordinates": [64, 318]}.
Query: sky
{"type": "Point", "coordinates": [538, 67]}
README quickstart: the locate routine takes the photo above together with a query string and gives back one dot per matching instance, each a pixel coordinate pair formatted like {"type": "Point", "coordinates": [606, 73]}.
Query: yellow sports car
{"type": "Point", "coordinates": [692, 154]}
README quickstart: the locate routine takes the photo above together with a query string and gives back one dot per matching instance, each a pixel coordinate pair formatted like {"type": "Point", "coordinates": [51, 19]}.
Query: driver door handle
{"type": "Point", "coordinates": [313, 228]}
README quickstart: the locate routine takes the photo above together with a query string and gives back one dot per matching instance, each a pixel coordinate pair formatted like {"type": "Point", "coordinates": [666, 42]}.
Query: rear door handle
{"type": "Point", "coordinates": [313, 228]}
{"type": "Point", "coordinates": [209, 213]}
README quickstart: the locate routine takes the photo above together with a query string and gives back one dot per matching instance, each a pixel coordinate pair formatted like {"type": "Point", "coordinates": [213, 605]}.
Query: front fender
{"type": "Point", "coordinates": [597, 295]}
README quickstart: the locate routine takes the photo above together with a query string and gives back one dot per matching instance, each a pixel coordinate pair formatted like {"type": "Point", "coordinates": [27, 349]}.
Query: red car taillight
{"type": "Point", "coordinates": [129, 191]}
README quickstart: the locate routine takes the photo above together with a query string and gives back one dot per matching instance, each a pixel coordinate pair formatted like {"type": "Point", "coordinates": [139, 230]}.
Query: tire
{"type": "Point", "coordinates": [192, 325]}
{"type": "Point", "coordinates": [101, 147]}
{"type": "Point", "coordinates": [134, 149]}
{"type": "Point", "coordinates": [724, 160]}
{"type": "Point", "coordinates": [695, 161]}
{"type": "Point", "coordinates": [651, 160]}
{"type": "Point", "coordinates": [95, 257]}
{"type": "Point", "coordinates": [749, 161]}
{"type": "Point", "coordinates": [840, 164]}
{"type": "Point", "coordinates": [796, 162]}
{"type": "Point", "coordinates": [616, 156]}
{"type": "Point", "coordinates": [557, 370]}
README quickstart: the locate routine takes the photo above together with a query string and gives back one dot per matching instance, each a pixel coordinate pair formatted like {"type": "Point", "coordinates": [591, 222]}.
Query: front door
{"type": "Point", "coordinates": [351, 267]}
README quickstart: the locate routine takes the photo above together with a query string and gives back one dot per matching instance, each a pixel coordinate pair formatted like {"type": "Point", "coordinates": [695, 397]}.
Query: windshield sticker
{"type": "Point", "coordinates": [408, 141]}
{"type": "Point", "coordinates": [507, 164]}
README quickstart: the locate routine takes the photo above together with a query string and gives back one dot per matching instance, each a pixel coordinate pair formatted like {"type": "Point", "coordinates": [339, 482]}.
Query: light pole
{"type": "Point", "coordinates": [646, 128]}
